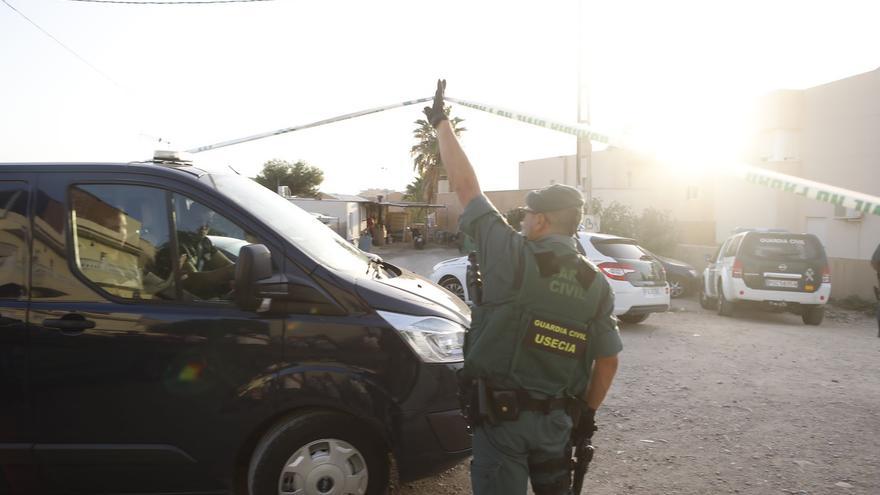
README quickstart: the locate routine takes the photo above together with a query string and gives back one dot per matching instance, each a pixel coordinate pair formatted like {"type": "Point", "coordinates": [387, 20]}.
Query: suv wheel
{"type": "Point", "coordinates": [813, 315]}
{"type": "Point", "coordinates": [633, 319]}
{"type": "Point", "coordinates": [707, 302]}
{"type": "Point", "coordinates": [453, 285]}
{"type": "Point", "coordinates": [725, 307]}
{"type": "Point", "coordinates": [318, 452]}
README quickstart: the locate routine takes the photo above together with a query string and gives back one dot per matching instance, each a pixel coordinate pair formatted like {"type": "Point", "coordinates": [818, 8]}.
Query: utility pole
{"type": "Point", "coordinates": [583, 160]}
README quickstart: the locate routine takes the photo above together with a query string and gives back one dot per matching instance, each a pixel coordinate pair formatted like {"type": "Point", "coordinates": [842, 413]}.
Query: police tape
{"type": "Point", "coordinates": [838, 196]}
{"type": "Point", "coordinates": [574, 130]}
{"type": "Point", "coordinates": [306, 126]}
{"type": "Point", "coordinates": [860, 202]}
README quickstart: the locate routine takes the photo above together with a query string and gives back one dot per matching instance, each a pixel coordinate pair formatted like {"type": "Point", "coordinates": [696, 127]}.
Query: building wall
{"type": "Point", "coordinates": [535, 174]}
{"type": "Point", "coordinates": [348, 223]}
{"type": "Point", "coordinates": [638, 182]}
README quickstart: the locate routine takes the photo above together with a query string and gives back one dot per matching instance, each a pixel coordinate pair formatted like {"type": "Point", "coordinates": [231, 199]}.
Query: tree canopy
{"type": "Point", "coordinates": [302, 178]}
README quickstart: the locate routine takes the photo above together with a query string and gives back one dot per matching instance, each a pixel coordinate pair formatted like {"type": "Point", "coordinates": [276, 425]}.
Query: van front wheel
{"type": "Point", "coordinates": [318, 452]}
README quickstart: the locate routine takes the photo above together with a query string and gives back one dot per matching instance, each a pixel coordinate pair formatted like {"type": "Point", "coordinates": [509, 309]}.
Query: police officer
{"type": "Point", "coordinates": [543, 343]}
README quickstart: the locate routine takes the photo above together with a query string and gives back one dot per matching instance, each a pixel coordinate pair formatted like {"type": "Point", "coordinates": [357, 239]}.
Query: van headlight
{"type": "Point", "coordinates": [434, 339]}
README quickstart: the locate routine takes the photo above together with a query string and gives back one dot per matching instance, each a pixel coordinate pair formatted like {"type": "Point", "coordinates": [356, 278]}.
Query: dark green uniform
{"type": "Point", "coordinates": [521, 338]}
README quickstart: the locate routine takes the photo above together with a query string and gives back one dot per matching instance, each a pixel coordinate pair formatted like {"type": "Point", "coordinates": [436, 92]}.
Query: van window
{"type": "Point", "coordinates": [207, 248]}
{"type": "Point", "coordinates": [298, 227]}
{"type": "Point", "coordinates": [13, 239]}
{"type": "Point", "coordinates": [783, 247]}
{"type": "Point", "coordinates": [118, 232]}
{"type": "Point", "coordinates": [123, 243]}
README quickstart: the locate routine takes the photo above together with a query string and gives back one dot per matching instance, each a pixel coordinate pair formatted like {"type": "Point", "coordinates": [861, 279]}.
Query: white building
{"type": "Point", "coordinates": [349, 213]}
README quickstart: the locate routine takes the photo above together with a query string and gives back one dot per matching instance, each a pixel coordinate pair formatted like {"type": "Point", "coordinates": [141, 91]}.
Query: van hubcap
{"type": "Point", "coordinates": [324, 467]}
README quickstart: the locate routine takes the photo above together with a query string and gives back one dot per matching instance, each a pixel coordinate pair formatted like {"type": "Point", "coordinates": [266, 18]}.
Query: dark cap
{"type": "Point", "coordinates": [552, 198]}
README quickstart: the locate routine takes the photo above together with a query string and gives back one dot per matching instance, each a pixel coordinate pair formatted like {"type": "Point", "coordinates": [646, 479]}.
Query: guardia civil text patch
{"type": "Point", "coordinates": [556, 338]}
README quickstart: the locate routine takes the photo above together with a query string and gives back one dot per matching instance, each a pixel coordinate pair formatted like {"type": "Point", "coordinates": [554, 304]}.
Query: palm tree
{"type": "Point", "coordinates": [426, 155]}
{"type": "Point", "coordinates": [415, 191]}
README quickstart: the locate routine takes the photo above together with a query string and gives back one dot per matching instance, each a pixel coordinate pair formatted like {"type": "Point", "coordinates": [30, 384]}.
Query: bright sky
{"type": "Point", "coordinates": [668, 72]}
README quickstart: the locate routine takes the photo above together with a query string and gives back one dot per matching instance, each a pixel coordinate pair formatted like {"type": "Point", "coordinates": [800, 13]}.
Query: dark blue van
{"type": "Point", "coordinates": [168, 330]}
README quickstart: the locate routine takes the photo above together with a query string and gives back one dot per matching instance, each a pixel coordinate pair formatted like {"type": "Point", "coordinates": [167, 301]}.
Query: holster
{"type": "Point", "coordinates": [480, 405]}
{"type": "Point", "coordinates": [476, 401]}
{"type": "Point", "coordinates": [474, 279]}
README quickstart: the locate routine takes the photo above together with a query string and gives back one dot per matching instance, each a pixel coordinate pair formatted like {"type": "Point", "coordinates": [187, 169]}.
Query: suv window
{"type": "Point", "coordinates": [732, 247]}
{"type": "Point", "coordinates": [783, 247]}
{"type": "Point", "coordinates": [118, 232]}
{"type": "Point", "coordinates": [619, 249]}
{"type": "Point", "coordinates": [13, 238]}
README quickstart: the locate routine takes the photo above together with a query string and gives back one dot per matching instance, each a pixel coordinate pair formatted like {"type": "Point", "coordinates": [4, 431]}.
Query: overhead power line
{"type": "Point", "coordinates": [56, 40]}
{"type": "Point", "coordinates": [170, 2]}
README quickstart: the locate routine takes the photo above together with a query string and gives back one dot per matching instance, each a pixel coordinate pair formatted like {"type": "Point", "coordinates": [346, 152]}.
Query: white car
{"type": "Point", "coordinates": [637, 278]}
{"type": "Point", "coordinates": [771, 269]}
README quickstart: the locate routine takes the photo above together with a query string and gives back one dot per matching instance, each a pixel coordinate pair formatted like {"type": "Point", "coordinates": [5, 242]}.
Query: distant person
{"type": "Point", "coordinates": [875, 262]}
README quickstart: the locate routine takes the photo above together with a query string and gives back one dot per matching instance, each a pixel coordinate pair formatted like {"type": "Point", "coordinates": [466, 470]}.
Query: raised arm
{"type": "Point", "coordinates": [461, 173]}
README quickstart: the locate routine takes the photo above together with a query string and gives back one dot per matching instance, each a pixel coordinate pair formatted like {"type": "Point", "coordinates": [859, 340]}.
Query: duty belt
{"type": "Point", "coordinates": [528, 403]}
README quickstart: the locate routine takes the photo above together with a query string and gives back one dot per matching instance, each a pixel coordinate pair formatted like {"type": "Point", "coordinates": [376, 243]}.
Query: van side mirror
{"type": "Point", "coordinates": [255, 283]}
{"type": "Point", "coordinates": [254, 264]}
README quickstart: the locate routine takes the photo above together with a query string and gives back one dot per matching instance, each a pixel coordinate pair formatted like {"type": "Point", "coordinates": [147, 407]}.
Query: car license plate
{"type": "Point", "coordinates": [786, 284]}
{"type": "Point", "coordinates": [652, 291]}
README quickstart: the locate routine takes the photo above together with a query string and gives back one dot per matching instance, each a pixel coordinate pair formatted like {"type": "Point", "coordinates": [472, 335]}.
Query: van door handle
{"type": "Point", "coordinates": [77, 324]}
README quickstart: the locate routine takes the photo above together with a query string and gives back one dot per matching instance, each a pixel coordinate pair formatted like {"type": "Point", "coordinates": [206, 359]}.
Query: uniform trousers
{"type": "Point", "coordinates": [503, 453]}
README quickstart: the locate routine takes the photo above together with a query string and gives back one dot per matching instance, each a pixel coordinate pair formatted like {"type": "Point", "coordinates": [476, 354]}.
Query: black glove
{"type": "Point", "coordinates": [583, 431]}
{"type": "Point", "coordinates": [436, 113]}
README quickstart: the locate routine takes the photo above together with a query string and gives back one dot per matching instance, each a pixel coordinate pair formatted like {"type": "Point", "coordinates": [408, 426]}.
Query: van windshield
{"type": "Point", "coordinates": [783, 247]}
{"type": "Point", "coordinates": [293, 223]}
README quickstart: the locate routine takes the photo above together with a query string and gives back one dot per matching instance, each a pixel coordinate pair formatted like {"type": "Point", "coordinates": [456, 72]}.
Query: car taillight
{"type": "Point", "coordinates": [737, 271]}
{"type": "Point", "coordinates": [826, 275]}
{"type": "Point", "coordinates": [616, 271]}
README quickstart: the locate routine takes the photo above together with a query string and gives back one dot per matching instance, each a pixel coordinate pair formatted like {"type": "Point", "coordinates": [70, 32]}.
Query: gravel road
{"type": "Point", "coordinates": [754, 404]}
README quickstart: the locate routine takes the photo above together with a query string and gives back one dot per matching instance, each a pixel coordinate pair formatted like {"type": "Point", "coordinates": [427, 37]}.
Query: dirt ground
{"type": "Point", "coordinates": [755, 404]}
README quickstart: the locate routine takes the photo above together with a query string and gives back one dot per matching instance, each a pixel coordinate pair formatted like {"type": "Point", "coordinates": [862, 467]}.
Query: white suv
{"type": "Point", "coordinates": [770, 269]}
{"type": "Point", "coordinates": [637, 277]}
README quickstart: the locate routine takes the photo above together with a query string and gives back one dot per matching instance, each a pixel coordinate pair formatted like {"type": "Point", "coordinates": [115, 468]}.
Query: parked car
{"type": "Point", "coordinates": [682, 278]}
{"type": "Point", "coordinates": [168, 330]}
{"type": "Point", "coordinates": [637, 277]}
{"type": "Point", "coordinates": [771, 270]}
